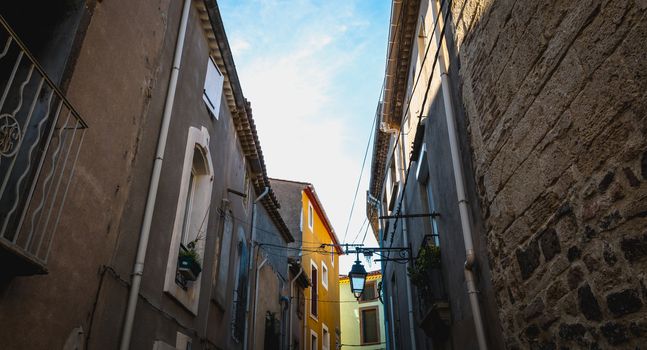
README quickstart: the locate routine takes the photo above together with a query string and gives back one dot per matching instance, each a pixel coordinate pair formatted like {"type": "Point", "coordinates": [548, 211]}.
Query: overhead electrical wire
{"type": "Point", "coordinates": [361, 172]}
{"type": "Point", "coordinates": [373, 126]}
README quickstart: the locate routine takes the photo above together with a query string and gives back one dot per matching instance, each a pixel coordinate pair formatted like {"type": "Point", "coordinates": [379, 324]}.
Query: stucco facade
{"type": "Point", "coordinates": [116, 75]}
{"type": "Point", "coordinates": [319, 260]}
{"type": "Point", "coordinates": [352, 319]}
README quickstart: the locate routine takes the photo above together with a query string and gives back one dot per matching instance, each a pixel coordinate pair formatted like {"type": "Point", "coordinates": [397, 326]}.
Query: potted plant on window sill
{"type": "Point", "coordinates": [188, 262]}
{"type": "Point", "coordinates": [425, 273]}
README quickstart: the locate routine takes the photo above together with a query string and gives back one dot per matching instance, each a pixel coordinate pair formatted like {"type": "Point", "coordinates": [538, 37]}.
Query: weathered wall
{"type": "Point", "coordinates": [110, 96]}
{"type": "Point", "coordinates": [554, 92]}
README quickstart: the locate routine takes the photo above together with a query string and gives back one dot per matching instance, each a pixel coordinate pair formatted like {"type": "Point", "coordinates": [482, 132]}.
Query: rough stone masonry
{"type": "Point", "coordinates": [555, 96]}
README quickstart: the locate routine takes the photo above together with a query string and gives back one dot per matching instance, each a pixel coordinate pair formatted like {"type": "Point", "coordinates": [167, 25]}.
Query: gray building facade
{"type": "Point", "coordinates": [520, 127]}
{"type": "Point", "coordinates": [113, 66]}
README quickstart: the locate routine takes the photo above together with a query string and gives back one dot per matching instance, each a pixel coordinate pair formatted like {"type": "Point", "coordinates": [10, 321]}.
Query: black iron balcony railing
{"type": "Point", "coordinates": [40, 138]}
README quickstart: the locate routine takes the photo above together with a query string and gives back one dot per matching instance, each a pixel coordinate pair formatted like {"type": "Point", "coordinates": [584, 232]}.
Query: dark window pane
{"type": "Point", "coordinates": [313, 301]}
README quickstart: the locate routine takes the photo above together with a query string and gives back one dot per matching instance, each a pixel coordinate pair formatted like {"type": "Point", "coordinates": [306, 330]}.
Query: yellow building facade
{"type": "Point", "coordinates": [320, 261]}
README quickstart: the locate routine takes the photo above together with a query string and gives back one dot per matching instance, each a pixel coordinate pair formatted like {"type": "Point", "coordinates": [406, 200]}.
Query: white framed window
{"type": "Point", "coordinates": [310, 217]}
{"type": "Point", "coordinates": [313, 340]}
{"type": "Point", "coordinates": [325, 337]}
{"type": "Point", "coordinates": [212, 92]}
{"type": "Point", "coordinates": [191, 218]}
{"type": "Point", "coordinates": [324, 275]}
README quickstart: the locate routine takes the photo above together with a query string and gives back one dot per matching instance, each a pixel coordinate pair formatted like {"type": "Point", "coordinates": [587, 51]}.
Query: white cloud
{"type": "Point", "coordinates": [295, 61]}
{"type": "Point", "coordinates": [238, 46]}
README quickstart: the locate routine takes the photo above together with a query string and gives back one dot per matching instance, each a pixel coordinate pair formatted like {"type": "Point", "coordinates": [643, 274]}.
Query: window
{"type": "Point", "coordinates": [313, 290]}
{"type": "Point", "coordinates": [240, 293]}
{"type": "Point", "coordinates": [223, 259]}
{"type": "Point", "coordinates": [369, 323]}
{"type": "Point", "coordinates": [370, 292]}
{"type": "Point", "coordinates": [325, 337]}
{"type": "Point", "coordinates": [313, 340]}
{"type": "Point", "coordinates": [310, 217]}
{"type": "Point", "coordinates": [212, 92]}
{"type": "Point", "coordinates": [324, 275]}
{"type": "Point", "coordinates": [182, 281]}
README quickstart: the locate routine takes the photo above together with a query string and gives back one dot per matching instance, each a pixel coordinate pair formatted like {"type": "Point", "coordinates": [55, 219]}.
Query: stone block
{"type": "Point", "coordinates": [549, 243]}
{"type": "Point", "coordinates": [634, 249]}
{"type": "Point", "coordinates": [631, 177]}
{"type": "Point", "coordinates": [534, 309]}
{"type": "Point", "coordinates": [574, 331]}
{"type": "Point", "coordinates": [624, 302]}
{"type": "Point", "coordinates": [555, 292]}
{"type": "Point", "coordinates": [609, 256]}
{"type": "Point", "coordinates": [606, 181]}
{"type": "Point", "coordinates": [591, 262]}
{"type": "Point", "coordinates": [638, 328]}
{"type": "Point", "coordinates": [643, 165]}
{"type": "Point", "coordinates": [615, 333]}
{"type": "Point", "coordinates": [531, 332]}
{"type": "Point", "coordinates": [574, 277]}
{"type": "Point", "coordinates": [610, 220]}
{"type": "Point", "coordinates": [588, 304]}
{"type": "Point", "coordinates": [528, 259]}
{"type": "Point", "coordinates": [574, 253]}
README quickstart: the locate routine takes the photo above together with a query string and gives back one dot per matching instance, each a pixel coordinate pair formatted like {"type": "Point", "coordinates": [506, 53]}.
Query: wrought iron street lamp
{"type": "Point", "coordinates": [357, 277]}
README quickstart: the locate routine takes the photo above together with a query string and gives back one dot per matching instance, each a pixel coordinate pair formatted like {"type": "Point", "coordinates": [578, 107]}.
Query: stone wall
{"type": "Point", "coordinates": [554, 93]}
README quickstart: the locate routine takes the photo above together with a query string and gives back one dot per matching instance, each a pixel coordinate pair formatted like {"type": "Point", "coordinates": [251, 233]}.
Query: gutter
{"type": "Point", "coordinates": [144, 235]}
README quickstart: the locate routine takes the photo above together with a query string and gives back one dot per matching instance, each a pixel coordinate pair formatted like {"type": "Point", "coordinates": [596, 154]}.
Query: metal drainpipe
{"type": "Point", "coordinates": [459, 179]}
{"type": "Point", "coordinates": [258, 269]}
{"type": "Point", "coordinates": [252, 255]}
{"type": "Point", "coordinates": [405, 235]}
{"type": "Point", "coordinates": [144, 235]}
{"type": "Point", "coordinates": [291, 305]}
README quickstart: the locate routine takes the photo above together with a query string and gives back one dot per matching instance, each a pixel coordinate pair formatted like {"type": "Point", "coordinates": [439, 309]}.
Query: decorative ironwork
{"type": "Point", "coordinates": [41, 136]}
{"type": "Point", "coordinates": [9, 135]}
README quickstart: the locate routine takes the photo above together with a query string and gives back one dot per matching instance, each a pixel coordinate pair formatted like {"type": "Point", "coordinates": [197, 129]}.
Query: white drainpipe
{"type": "Point", "coordinates": [144, 234]}
{"type": "Point", "coordinates": [459, 178]}
{"type": "Point", "coordinates": [252, 255]}
{"type": "Point", "coordinates": [292, 306]}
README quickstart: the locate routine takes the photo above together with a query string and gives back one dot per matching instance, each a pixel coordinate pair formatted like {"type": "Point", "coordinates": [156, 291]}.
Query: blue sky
{"type": "Point", "coordinates": [313, 72]}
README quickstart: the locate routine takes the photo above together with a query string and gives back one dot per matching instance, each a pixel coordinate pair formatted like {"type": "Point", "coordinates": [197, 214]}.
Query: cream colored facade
{"type": "Point", "coordinates": [353, 313]}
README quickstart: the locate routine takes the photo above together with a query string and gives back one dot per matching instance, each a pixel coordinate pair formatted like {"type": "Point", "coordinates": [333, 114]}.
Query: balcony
{"type": "Point", "coordinates": [40, 138]}
{"type": "Point", "coordinates": [426, 274]}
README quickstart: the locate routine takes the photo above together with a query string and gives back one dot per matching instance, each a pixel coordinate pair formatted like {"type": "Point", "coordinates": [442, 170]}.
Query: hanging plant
{"type": "Point", "coordinates": [188, 263]}
{"type": "Point", "coordinates": [428, 258]}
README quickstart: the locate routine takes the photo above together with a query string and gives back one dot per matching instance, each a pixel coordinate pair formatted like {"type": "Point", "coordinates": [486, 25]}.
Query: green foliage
{"type": "Point", "coordinates": [428, 258]}
{"type": "Point", "coordinates": [190, 251]}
